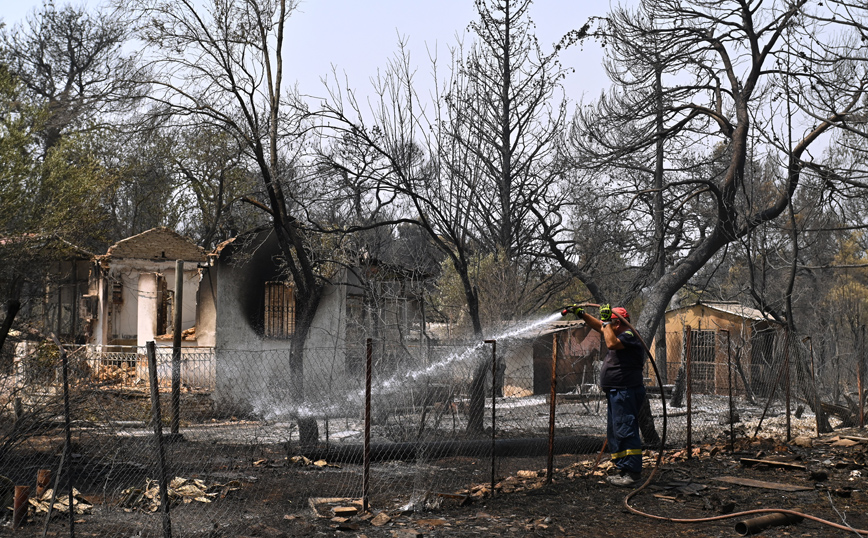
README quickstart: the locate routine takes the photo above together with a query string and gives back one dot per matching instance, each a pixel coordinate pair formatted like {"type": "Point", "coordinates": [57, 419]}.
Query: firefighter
{"type": "Point", "coordinates": [621, 378]}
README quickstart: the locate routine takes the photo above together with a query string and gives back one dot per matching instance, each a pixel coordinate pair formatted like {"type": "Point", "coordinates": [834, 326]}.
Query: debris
{"type": "Point", "coordinates": [381, 519]}
{"type": "Point", "coordinates": [527, 474]}
{"type": "Point", "coordinates": [180, 490]}
{"type": "Point", "coordinates": [406, 533]}
{"type": "Point", "coordinates": [61, 502]}
{"type": "Point", "coordinates": [749, 482]}
{"type": "Point", "coordinates": [301, 461]}
{"type": "Point", "coordinates": [685, 487]}
{"type": "Point", "coordinates": [345, 511]}
{"type": "Point", "coordinates": [347, 525]}
{"type": "Point", "coordinates": [432, 522]}
{"type": "Point", "coordinates": [316, 503]}
{"type": "Point", "coordinates": [804, 442]}
{"type": "Point", "coordinates": [773, 463]}
{"type": "Point", "coordinates": [845, 442]}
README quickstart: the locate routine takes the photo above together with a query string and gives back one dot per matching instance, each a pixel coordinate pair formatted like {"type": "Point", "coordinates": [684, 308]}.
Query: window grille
{"type": "Point", "coordinates": [279, 310]}
{"type": "Point", "coordinates": [702, 345]}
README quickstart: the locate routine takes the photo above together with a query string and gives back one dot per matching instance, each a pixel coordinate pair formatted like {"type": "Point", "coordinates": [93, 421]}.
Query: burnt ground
{"type": "Point", "coordinates": [274, 499]}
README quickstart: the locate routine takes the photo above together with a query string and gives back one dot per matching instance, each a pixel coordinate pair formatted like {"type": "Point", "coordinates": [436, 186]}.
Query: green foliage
{"type": "Point", "coordinates": [507, 289]}
{"type": "Point", "coordinates": [59, 195]}
{"type": "Point", "coordinates": [847, 299]}
{"type": "Point", "coordinates": [18, 123]}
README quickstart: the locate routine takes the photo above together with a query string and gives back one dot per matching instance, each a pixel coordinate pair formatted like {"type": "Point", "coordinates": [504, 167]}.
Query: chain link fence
{"type": "Point", "coordinates": [250, 428]}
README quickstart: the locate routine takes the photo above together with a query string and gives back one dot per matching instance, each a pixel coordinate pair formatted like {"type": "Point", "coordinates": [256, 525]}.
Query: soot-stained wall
{"type": "Point", "coordinates": [253, 370]}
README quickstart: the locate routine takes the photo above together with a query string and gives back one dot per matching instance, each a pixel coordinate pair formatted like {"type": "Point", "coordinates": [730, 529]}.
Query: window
{"type": "Point", "coordinates": [118, 292]}
{"type": "Point", "coordinates": [279, 310]}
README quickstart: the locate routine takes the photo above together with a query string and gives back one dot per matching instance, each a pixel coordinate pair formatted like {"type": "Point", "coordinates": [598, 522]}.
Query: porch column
{"type": "Point", "coordinates": [148, 299]}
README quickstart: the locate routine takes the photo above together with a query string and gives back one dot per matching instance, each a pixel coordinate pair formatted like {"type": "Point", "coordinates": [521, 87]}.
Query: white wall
{"type": "Point", "coordinates": [253, 371]}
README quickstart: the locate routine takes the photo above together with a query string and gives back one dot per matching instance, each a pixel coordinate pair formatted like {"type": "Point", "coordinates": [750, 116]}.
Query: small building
{"type": "Point", "coordinates": [725, 338]}
{"type": "Point", "coordinates": [246, 313]}
{"type": "Point", "coordinates": [132, 290]}
{"type": "Point", "coordinates": [529, 363]}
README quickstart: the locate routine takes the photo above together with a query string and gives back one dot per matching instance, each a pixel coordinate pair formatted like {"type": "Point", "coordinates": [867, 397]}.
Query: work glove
{"type": "Point", "coordinates": [573, 309]}
{"type": "Point", "coordinates": [605, 312]}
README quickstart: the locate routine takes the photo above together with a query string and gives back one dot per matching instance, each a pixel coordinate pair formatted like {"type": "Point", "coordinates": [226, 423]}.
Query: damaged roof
{"type": "Point", "coordinates": [729, 307]}
{"type": "Point", "coordinates": [157, 244]}
{"type": "Point", "coordinates": [554, 327]}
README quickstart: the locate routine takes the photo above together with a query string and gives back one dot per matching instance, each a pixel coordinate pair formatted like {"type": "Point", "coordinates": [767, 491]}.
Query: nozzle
{"type": "Point", "coordinates": [571, 309]}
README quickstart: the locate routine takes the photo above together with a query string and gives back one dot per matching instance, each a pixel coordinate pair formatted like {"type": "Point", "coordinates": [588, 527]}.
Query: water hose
{"type": "Point", "coordinates": [790, 513]}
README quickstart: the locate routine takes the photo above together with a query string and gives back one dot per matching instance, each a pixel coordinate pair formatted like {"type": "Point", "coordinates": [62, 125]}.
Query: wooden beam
{"type": "Point", "coordinates": [761, 484]}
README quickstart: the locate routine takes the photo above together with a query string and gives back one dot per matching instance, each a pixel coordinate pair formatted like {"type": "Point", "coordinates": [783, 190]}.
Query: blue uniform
{"type": "Point", "coordinates": [621, 380]}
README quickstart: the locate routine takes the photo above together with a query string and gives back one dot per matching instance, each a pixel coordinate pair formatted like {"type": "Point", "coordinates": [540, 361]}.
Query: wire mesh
{"type": "Point", "coordinates": [252, 432]}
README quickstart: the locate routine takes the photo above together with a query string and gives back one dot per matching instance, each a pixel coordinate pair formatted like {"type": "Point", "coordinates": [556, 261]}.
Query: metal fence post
{"type": "Point", "coordinates": [493, 407]}
{"type": "Point", "coordinates": [552, 404]}
{"type": "Point", "coordinates": [366, 473]}
{"type": "Point", "coordinates": [67, 427]}
{"type": "Point", "coordinates": [689, 383]}
{"type": "Point", "coordinates": [158, 439]}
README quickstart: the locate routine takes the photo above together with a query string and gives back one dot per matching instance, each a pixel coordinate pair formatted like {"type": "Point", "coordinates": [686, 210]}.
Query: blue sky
{"type": "Point", "coordinates": [358, 37]}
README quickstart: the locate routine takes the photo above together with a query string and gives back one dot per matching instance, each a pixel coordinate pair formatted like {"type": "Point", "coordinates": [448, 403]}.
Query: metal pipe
{"type": "Point", "coordinates": [450, 448]}
{"type": "Point", "coordinates": [552, 404]}
{"type": "Point", "coordinates": [366, 474]}
{"type": "Point", "coordinates": [493, 406]}
{"type": "Point", "coordinates": [754, 525]}
{"type": "Point", "coordinates": [20, 506]}
{"type": "Point", "coordinates": [689, 383]}
{"type": "Point", "coordinates": [158, 439]}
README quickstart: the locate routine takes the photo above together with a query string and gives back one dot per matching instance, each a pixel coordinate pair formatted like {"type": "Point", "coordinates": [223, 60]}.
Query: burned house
{"type": "Point", "coordinates": [723, 339]}
{"type": "Point", "coordinates": [131, 295]}
{"type": "Point", "coordinates": [246, 313]}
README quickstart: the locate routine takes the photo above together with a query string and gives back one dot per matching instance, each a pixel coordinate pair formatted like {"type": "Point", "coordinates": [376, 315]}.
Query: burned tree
{"type": "Point", "coordinates": [220, 64]}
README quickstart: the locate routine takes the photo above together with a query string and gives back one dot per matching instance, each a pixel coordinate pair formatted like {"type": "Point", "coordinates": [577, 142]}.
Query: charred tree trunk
{"type": "Point", "coordinates": [679, 389]}
{"type": "Point", "coordinates": [305, 310]}
{"type": "Point", "coordinates": [646, 423]}
{"type": "Point", "coordinates": [13, 305]}
{"type": "Point", "coordinates": [476, 412]}
{"type": "Point", "coordinates": [809, 389]}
